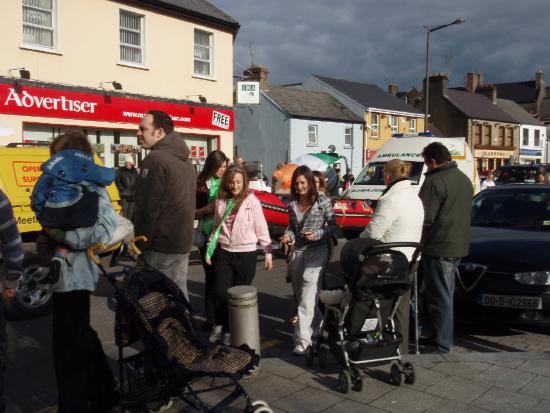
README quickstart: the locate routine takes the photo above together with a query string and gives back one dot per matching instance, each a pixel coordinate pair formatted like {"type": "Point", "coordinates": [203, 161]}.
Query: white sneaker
{"type": "Point", "coordinates": [215, 334]}
{"type": "Point", "coordinates": [299, 350]}
{"type": "Point", "coordinates": [226, 339]}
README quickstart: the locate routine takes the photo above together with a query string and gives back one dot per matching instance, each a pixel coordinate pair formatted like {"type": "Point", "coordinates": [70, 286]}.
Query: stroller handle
{"type": "Point", "coordinates": [391, 245]}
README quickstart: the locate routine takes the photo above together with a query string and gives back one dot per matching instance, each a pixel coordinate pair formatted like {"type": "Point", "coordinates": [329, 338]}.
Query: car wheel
{"type": "Point", "coordinates": [30, 303]}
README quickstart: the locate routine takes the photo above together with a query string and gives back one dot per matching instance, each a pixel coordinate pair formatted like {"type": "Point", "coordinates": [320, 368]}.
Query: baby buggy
{"type": "Point", "coordinates": [358, 327]}
{"type": "Point", "coordinates": [161, 355]}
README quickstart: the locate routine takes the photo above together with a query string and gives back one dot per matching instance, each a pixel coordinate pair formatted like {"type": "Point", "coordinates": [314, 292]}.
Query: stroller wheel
{"type": "Point", "coordinates": [358, 385]}
{"type": "Point", "coordinates": [323, 354]}
{"type": "Point", "coordinates": [344, 381]}
{"type": "Point", "coordinates": [395, 375]}
{"type": "Point", "coordinates": [309, 356]}
{"type": "Point", "coordinates": [259, 406]}
{"type": "Point", "coordinates": [408, 372]}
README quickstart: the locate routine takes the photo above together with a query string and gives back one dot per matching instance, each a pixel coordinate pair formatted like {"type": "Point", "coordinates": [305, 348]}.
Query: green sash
{"type": "Point", "coordinates": [214, 241]}
{"type": "Point", "coordinates": [208, 221]}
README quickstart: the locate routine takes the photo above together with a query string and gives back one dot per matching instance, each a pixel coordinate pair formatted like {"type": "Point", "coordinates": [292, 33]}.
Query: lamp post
{"type": "Point", "coordinates": [430, 29]}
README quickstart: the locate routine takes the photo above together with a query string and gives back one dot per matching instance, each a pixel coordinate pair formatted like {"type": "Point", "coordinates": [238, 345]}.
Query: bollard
{"type": "Point", "coordinates": [244, 325]}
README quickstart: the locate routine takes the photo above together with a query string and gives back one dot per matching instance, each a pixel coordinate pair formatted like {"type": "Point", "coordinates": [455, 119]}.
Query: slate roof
{"type": "Point", "coordinates": [477, 106]}
{"type": "Point", "coordinates": [520, 92]}
{"type": "Point", "coordinates": [198, 8]}
{"type": "Point", "coordinates": [311, 105]}
{"type": "Point", "coordinates": [517, 112]}
{"type": "Point", "coordinates": [369, 96]}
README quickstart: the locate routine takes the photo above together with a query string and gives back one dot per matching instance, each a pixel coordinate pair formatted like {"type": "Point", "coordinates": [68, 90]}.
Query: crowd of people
{"type": "Point", "coordinates": [164, 199]}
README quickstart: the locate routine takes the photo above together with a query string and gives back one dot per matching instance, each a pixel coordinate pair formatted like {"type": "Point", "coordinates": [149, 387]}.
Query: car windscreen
{"type": "Point", "coordinates": [525, 208]}
{"type": "Point", "coordinates": [373, 174]}
{"type": "Point", "coordinates": [516, 174]}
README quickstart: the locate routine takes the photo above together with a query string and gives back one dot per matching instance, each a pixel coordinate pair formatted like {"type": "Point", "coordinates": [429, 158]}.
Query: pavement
{"type": "Point", "coordinates": [491, 367]}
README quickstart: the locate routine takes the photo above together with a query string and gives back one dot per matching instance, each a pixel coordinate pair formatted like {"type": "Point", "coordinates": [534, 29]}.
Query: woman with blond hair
{"type": "Point", "coordinates": [399, 217]}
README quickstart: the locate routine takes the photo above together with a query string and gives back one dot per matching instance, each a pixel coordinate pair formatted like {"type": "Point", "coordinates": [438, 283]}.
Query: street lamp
{"type": "Point", "coordinates": [430, 29]}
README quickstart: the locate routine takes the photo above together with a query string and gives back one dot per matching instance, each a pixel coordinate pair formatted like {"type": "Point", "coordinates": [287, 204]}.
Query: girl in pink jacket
{"type": "Point", "coordinates": [240, 225]}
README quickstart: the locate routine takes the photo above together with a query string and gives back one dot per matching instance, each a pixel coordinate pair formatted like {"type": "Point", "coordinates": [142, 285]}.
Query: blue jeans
{"type": "Point", "coordinates": [439, 287]}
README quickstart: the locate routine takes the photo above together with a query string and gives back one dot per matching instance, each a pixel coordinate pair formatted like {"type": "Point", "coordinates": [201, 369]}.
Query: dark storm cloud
{"type": "Point", "coordinates": [382, 42]}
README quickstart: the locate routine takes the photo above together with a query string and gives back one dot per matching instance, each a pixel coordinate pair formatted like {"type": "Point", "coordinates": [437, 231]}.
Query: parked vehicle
{"type": "Point", "coordinates": [506, 276]}
{"type": "Point", "coordinates": [519, 173]}
{"type": "Point", "coordinates": [19, 171]}
{"type": "Point", "coordinates": [355, 208]}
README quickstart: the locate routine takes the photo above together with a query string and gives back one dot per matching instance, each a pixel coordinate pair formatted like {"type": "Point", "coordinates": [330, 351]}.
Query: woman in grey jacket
{"type": "Point", "coordinates": [311, 224]}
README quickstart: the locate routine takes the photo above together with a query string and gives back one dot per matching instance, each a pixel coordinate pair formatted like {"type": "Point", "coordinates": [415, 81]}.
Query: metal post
{"type": "Point", "coordinates": [427, 87]}
{"type": "Point", "coordinates": [244, 324]}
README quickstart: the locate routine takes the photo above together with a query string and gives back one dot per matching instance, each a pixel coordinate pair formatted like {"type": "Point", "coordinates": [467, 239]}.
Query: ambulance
{"type": "Point", "coordinates": [355, 208]}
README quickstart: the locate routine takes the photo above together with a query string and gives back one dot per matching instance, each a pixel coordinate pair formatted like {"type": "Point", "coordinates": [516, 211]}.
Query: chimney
{"type": "Point", "coordinates": [539, 77]}
{"type": "Point", "coordinates": [473, 80]}
{"type": "Point", "coordinates": [439, 84]}
{"type": "Point", "coordinates": [258, 74]}
{"type": "Point", "coordinates": [489, 91]}
{"type": "Point", "coordinates": [392, 89]}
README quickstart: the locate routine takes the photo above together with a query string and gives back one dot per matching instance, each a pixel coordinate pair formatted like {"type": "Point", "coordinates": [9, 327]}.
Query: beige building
{"type": "Point", "coordinates": [98, 65]}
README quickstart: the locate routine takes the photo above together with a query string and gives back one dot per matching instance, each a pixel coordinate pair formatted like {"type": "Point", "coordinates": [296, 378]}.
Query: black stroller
{"type": "Point", "coordinates": [153, 315]}
{"type": "Point", "coordinates": [359, 330]}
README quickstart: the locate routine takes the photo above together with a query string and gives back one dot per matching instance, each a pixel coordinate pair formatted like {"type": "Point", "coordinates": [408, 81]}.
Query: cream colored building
{"type": "Point", "coordinates": [173, 55]}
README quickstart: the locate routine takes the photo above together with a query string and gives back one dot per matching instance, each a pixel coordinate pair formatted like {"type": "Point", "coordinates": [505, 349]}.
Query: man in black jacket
{"type": "Point", "coordinates": [126, 177]}
{"type": "Point", "coordinates": [165, 197]}
{"type": "Point", "coordinates": [447, 198]}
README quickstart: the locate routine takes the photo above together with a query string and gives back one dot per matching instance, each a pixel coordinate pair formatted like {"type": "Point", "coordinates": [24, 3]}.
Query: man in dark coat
{"type": "Point", "coordinates": [165, 197]}
{"type": "Point", "coordinates": [126, 177]}
{"type": "Point", "coordinates": [447, 198]}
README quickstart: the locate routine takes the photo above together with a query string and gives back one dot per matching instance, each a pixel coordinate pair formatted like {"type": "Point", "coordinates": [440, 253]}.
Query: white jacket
{"type": "Point", "coordinates": [398, 217]}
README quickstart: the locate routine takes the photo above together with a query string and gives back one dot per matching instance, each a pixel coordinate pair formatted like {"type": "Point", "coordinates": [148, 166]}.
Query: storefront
{"type": "Point", "coordinates": [527, 155]}
{"type": "Point", "coordinates": [491, 159]}
{"type": "Point", "coordinates": [38, 112]}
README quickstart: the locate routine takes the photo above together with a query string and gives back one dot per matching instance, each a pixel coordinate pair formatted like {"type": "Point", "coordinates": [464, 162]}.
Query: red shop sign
{"type": "Point", "coordinates": [54, 103]}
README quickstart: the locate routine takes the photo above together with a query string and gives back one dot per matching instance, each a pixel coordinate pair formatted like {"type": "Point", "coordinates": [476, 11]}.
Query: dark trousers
{"type": "Point", "coordinates": [128, 209]}
{"type": "Point", "coordinates": [231, 269]}
{"type": "Point", "coordinates": [85, 383]}
{"type": "Point", "coordinates": [439, 287]}
{"type": "Point", "coordinates": [209, 275]}
{"type": "Point", "coordinates": [3, 357]}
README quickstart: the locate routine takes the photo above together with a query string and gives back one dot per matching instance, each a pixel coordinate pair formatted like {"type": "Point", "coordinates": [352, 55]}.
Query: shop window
{"type": "Point", "coordinates": [312, 138]}
{"type": "Point", "coordinates": [202, 53]}
{"type": "Point", "coordinates": [348, 137]}
{"type": "Point", "coordinates": [537, 138]}
{"type": "Point", "coordinates": [374, 124]}
{"type": "Point", "coordinates": [40, 23]}
{"type": "Point", "coordinates": [393, 125]}
{"type": "Point", "coordinates": [132, 35]}
{"type": "Point", "coordinates": [525, 137]}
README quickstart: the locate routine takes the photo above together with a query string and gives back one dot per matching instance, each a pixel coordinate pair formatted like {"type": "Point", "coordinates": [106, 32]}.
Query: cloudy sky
{"type": "Point", "coordinates": [383, 42]}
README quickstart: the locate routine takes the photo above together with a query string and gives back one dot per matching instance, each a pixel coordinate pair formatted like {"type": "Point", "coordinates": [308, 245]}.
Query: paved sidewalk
{"type": "Point", "coordinates": [461, 382]}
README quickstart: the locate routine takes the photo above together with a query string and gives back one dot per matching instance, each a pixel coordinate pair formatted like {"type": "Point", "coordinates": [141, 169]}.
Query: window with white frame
{"type": "Point", "coordinates": [202, 64]}
{"type": "Point", "coordinates": [348, 137]}
{"type": "Point", "coordinates": [412, 125]}
{"type": "Point", "coordinates": [374, 122]}
{"type": "Point", "coordinates": [537, 137]}
{"type": "Point", "coordinates": [40, 23]}
{"type": "Point", "coordinates": [393, 125]}
{"type": "Point", "coordinates": [525, 137]}
{"type": "Point", "coordinates": [312, 138]}
{"type": "Point", "coordinates": [132, 36]}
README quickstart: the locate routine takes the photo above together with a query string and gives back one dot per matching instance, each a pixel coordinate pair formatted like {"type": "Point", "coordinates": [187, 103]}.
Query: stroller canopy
{"type": "Point", "coordinates": [367, 265]}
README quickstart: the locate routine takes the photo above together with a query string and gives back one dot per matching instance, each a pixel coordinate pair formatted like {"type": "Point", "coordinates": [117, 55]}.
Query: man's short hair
{"type": "Point", "coordinates": [438, 152]}
{"type": "Point", "coordinates": [162, 120]}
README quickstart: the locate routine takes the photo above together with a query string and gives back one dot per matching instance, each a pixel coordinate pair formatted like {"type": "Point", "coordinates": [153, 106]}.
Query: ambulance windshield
{"type": "Point", "coordinates": [373, 174]}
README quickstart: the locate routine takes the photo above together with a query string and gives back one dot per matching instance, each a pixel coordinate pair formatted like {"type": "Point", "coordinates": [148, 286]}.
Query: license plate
{"type": "Point", "coordinates": [511, 301]}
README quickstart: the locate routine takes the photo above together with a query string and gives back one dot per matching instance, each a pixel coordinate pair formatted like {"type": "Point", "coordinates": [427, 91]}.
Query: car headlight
{"type": "Point", "coordinates": [533, 278]}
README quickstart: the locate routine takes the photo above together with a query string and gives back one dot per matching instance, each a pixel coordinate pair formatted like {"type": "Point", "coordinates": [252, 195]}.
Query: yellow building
{"type": "Point", "coordinates": [98, 65]}
{"type": "Point", "coordinates": [383, 113]}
